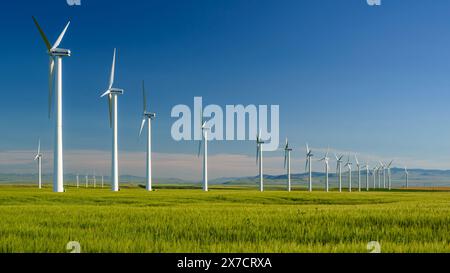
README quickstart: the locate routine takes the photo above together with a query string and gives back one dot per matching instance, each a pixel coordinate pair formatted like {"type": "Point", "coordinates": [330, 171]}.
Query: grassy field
{"type": "Point", "coordinates": [222, 220]}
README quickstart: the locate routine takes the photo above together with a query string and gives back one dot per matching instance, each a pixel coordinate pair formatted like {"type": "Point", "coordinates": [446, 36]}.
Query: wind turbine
{"type": "Point", "coordinates": [383, 168]}
{"type": "Point", "coordinates": [326, 160]}
{"type": "Point", "coordinates": [95, 181]}
{"type": "Point", "coordinates": [147, 117]}
{"type": "Point", "coordinates": [287, 163]}
{"type": "Point", "coordinates": [379, 175]}
{"type": "Point", "coordinates": [389, 174]}
{"type": "Point", "coordinates": [259, 159]}
{"type": "Point", "coordinates": [78, 181]}
{"type": "Point", "coordinates": [56, 54]}
{"type": "Point", "coordinates": [38, 157]}
{"type": "Point", "coordinates": [339, 169]}
{"type": "Point", "coordinates": [349, 166]}
{"type": "Point", "coordinates": [366, 166]}
{"type": "Point", "coordinates": [308, 166]}
{"type": "Point", "coordinates": [359, 173]}
{"type": "Point", "coordinates": [406, 174]}
{"type": "Point", "coordinates": [204, 131]}
{"type": "Point", "coordinates": [112, 94]}
{"type": "Point", "coordinates": [102, 182]}
{"type": "Point", "coordinates": [374, 174]}
{"type": "Point", "coordinates": [87, 181]}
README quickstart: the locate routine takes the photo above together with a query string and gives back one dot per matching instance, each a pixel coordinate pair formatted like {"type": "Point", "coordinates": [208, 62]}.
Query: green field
{"type": "Point", "coordinates": [222, 220]}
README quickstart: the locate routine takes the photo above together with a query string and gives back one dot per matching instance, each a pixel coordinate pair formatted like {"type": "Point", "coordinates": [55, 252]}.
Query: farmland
{"type": "Point", "coordinates": [231, 219]}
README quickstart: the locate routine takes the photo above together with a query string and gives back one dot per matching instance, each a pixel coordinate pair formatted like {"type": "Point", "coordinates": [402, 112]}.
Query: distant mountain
{"type": "Point", "coordinates": [417, 177]}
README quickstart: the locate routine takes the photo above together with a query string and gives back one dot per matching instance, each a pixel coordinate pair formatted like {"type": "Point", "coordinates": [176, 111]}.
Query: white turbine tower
{"type": "Point", "coordinates": [366, 166]}
{"type": "Point", "coordinates": [87, 181]}
{"type": "Point", "coordinates": [308, 166]}
{"type": "Point", "coordinates": [38, 157]}
{"type": "Point", "coordinates": [147, 117]}
{"type": "Point", "coordinates": [78, 181]}
{"type": "Point", "coordinates": [326, 160]}
{"type": "Point", "coordinates": [406, 176]}
{"type": "Point", "coordinates": [102, 182]}
{"type": "Point", "coordinates": [380, 168]}
{"type": "Point", "coordinates": [383, 169]}
{"type": "Point", "coordinates": [259, 159]}
{"type": "Point", "coordinates": [112, 94]}
{"type": "Point", "coordinates": [56, 54]}
{"type": "Point", "coordinates": [349, 166]}
{"type": "Point", "coordinates": [339, 170]}
{"type": "Point", "coordinates": [287, 163]}
{"type": "Point", "coordinates": [358, 167]}
{"type": "Point", "coordinates": [95, 181]}
{"type": "Point", "coordinates": [389, 175]}
{"type": "Point", "coordinates": [374, 174]}
{"type": "Point", "coordinates": [204, 131]}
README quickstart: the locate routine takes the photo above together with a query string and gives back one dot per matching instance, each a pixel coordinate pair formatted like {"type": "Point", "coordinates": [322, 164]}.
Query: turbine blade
{"type": "Point", "coordinates": [113, 68]}
{"type": "Point", "coordinates": [39, 147]}
{"type": "Point", "coordinates": [257, 153]}
{"type": "Point", "coordinates": [61, 36]}
{"type": "Point", "coordinates": [51, 67]}
{"type": "Point", "coordinates": [306, 165]}
{"type": "Point", "coordinates": [142, 126]}
{"type": "Point", "coordinates": [285, 159]}
{"type": "Point", "coordinates": [47, 43]}
{"type": "Point", "coordinates": [107, 92]}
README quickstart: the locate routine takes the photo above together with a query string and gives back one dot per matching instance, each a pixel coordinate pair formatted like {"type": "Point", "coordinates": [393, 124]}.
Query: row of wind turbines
{"type": "Point", "coordinates": [378, 172]}
{"type": "Point", "coordinates": [56, 55]}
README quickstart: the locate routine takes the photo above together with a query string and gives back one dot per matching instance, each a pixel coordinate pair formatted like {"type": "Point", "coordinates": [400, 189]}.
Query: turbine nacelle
{"type": "Point", "coordinates": [149, 115]}
{"type": "Point", "coordinates": [59, 52]}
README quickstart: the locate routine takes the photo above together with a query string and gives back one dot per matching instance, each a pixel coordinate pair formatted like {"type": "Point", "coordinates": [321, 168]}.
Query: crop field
{"type": "Point", "coordinates": [228, 219]}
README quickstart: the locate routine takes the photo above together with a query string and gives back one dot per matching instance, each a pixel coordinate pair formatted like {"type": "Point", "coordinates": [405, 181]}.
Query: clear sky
{"type": "Point", "coordinates": [371, 80]}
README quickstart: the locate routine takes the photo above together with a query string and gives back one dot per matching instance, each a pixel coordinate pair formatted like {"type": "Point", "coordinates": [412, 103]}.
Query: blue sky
{"type": "Point", "coordinates": [372, 80]}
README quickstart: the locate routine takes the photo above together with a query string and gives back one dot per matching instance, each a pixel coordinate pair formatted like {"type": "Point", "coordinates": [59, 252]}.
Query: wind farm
{"type": "Point", "coordinates": [346, 153]}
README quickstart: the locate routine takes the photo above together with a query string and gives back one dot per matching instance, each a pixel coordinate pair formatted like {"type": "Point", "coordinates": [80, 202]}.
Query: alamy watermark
{"type": "Point", "coordinates": [73, 247]}
{"type": "Point", "coordinates": [241, 123]}
{"type": "Point", "coordinates": [374, 2]}
{"type": "Point", "coordinates": [73, 2]}
{"type": "Point", "coordinates": [374, 247]}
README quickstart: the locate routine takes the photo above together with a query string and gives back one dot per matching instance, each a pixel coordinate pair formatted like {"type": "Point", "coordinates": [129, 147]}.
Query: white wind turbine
{"type": "Point", "coordinates": [383, 169]}
{"type": "Point", "coordinates": [95, 181]}
{"type": "Point", "coordinates": [349, 166]}
{"type": "Point", "coordinates": [287, 163]}
{"type": "Point", "coordinates": [389, 174]}
{"type": "Point", "coordinates": [147, 117]}
{"type": "Point", "coordinates": [56, 54]}
{"type": "Point", "coordinates": [204, 131]}
{"type": "Point", "coordinates": [326, 160]}
{"type": "Point", "coordinates": [308, 166]}
{"type": "Point", "coordinates": [358, 167]}
{"type": "Point", "coordinates": [112, 94]}
{"type": "Point", "coordinates": [259, 159]}
{"type": "Point", "coordinates": [87, 181]}
{"type": "Point", "coordinates": [339, 169]}
{"type": "Point", "coordinates": [38, 157]}
{"type": "Point", "coordinates": [374, 174]}
{"type": "Point", "coordinates": [78, 181]}
{"type": "Point", "coordinates": [366, 166]}
{"type": "Point", "coordinates": [406, 175]}
{"type": "Point", "coordinates": [102, 181]}
{"type": "Point", "coordinates": [380, 168]}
